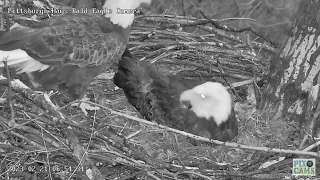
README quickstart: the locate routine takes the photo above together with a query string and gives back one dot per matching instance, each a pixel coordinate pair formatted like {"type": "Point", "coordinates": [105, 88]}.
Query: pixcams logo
{"type": "Point", "coordinates": [304, 167]}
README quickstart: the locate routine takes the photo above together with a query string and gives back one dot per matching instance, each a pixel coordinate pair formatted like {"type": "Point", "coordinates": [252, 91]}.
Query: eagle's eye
{"type": "Point", "coordinates": [202, 96]}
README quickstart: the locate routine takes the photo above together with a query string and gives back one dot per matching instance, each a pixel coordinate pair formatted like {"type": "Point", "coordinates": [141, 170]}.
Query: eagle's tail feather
{"type": "Point", "coordinates": [21, 61]}
{"type": "Point", "coordinates": [13, 57]}
{"type": "Point", "coordinates": [133, 77]}
{"type": "Point", "coordinates": [16, 34]}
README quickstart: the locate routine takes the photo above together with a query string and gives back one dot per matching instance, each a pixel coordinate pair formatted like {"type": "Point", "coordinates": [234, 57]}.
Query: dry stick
{"type": "Point", "coordinates": [230, 85]}
{"type": "Point", "coordinates": [314, 120]}
{"type": "Point", "coordinates": [73, 141]}
{"type": "Point", "coordinates": [222, 27]}
{"type": "Point", "coordinates": [198, 65]}
{"type": "Point", "coordinates": [81, 155]}
{"type": "Point", "coordinates": [227, 144]}
{"type": "Point", "coordinates": [199, 47]}
{"type": "Point", "coordinates": [190, 73]}
{"type": "Point", "coordinates": [172, 19]}
{"type": "Point", "coordinates": [312, 146]}
{"type": "Point", "coordinates": [244, 83]}
{"type": "Point", "coordinates": [195, 174]}
{"type": "Point", "coordinates": [267, 170]}
{"type": "Point", "coordinates": [313, 102]}
{"type": "Point", "coordinates": [133, 175]}
{"type": "Point", "coordinates": [29, 132]}
{"type": "Point", "coordinates": [42, 101]}
{"type": "Point", "coordinates": [219, 64]}
{"type": "Point", "coordinates": [186, 20]}
{"type": "Point", "coordinates": [183, 8]}
{"type": "Point", "coordinates": [47, 154]}
{"type": "Point", "coordinates": [11, 168]}
{"type": "Point", "coordinates": [87, 148]}
{"type": "Point", "coordinates": [149, 174]}
{"type": "Point", "coordinates": [190, 18]}
{"type": "Point", "coordinates": [9, 95]}
{"type": "Point", "coordinates": [257, 91]}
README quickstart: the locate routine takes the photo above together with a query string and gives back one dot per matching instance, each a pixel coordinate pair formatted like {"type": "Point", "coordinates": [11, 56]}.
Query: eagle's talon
{"type": "Point", "coordinates": [85, 106]}
{"type": "Point", "coordinates": [2, 100]}
{"type": "Point", "coordinates": [49, 93]}
{"type": "Point", "coordinates": [39, 92]}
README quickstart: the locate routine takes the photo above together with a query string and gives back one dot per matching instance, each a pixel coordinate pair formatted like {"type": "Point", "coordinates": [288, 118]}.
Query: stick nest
{"type": "Point", "coordinates": [44, 136]}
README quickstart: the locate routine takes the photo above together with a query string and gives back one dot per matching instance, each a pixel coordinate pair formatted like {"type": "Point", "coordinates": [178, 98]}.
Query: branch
{"type": "Point", "coordinates": [227, 144]}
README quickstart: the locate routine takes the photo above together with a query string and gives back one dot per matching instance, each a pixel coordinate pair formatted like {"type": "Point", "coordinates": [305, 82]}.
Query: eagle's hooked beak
{"type": "Point", "coordinates": [186, 104]}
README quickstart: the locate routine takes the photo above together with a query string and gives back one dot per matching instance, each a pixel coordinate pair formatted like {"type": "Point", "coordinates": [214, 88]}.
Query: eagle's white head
{"type": "Point", "coordinates": [207, 100]}
{"type": "Point", "coordinates": [122, 10]}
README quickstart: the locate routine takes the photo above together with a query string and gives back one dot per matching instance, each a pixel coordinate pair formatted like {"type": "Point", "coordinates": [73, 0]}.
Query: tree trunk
{"type": "Point", "coordinates": [292, 89]}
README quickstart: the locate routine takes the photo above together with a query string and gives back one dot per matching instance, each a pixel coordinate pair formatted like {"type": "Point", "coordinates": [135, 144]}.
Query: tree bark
{"type": "Point", "coordinates": [292, 89]}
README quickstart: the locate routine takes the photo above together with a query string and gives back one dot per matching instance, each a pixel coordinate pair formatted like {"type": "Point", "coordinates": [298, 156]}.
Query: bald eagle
{"type": "Point", "coordinates": [201, 109]}
{"type": "Point", "coordinates": [69, 50]}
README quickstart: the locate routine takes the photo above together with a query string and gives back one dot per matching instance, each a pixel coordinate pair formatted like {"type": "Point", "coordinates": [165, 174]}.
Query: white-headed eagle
{"type": "Point", "coordinates": [201, 109]}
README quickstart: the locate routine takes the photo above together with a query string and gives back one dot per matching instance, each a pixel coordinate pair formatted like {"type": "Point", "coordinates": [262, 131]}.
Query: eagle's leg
{"type": "Point", "coordinates": [77, 91]}
{"type": "Point", "coordinates": [49, 93]}
{"type": "Point", "coordinates": [38, 87]}
{"type": "Point", "coordinates": [85, 106]}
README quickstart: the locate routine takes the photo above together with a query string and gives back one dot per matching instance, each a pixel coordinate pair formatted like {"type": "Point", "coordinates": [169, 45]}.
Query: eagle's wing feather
{"type": "Point", "coordinates": [155, 95]}
{"type": "Point", "coordinates": [81, 40]}
{"type": "Point", "coordinates": [157, 98]}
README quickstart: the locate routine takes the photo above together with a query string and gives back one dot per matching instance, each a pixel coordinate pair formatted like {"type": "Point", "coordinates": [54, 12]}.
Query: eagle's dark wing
{"type": "Point", "coordinates": [157, 98]}
{"type": "Point", "coordinates": [72, 39]}
{"type": "Point", "coordinates": [147, 89]}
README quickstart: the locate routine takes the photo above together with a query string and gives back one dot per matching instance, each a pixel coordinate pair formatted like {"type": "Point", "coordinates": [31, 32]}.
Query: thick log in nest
{"type": "Point", "coordinates": [42, 136]}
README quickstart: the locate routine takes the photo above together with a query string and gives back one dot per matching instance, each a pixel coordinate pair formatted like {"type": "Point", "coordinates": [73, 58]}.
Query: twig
{"type": "Point", "coordinates": [244, 83]}
{"type": "Point", "coordinates": [86, 149]}
{"type": "Point", "coordinates": [197, 174]}
{"type": "Point", "coordinates": [43, 101]}
{"type": "Point", "coordinates": [256, 88]}
{"type": "Point", "coordinates": [312, 114]}
{"type": "Point", "coordinates": [222, 27]}
{"type": "Point", "coordinates": [9, 95]}
{"type": "Point", "coordinates": [312, 146]}
{"type": "Point", "coordinates": [227, 144]}
{"type": "Point", "coordinates": [153, 176]}
{"type": "Point", "coordinates": [47, 154]}
{"type": "Point", "coordinates": [230, 85]}
{"type": "Point", "coordinates": [81, 155]}
{"type": "Point", "coordinates": [179, 21]}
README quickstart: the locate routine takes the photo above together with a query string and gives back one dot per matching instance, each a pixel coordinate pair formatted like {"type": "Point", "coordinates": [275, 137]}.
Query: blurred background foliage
{"type": "Point", "coordinates": [272, 18]}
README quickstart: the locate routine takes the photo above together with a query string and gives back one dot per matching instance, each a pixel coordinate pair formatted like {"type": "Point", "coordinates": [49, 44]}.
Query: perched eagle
{"type": "Point", "coordinates": [201, 109]}
{"type": "Point", "coordinates": [69, 50]}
